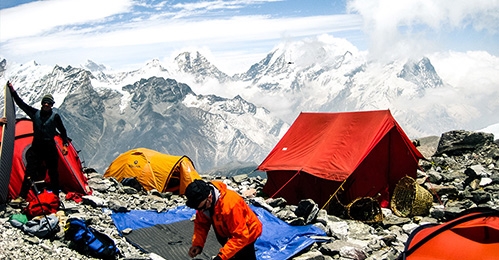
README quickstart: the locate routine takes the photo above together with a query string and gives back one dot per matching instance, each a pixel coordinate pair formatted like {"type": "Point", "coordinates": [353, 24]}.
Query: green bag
{"type": "Point", "coordinates": [17, 220]}
{"type": "Point", "coordinates": [20, 217]}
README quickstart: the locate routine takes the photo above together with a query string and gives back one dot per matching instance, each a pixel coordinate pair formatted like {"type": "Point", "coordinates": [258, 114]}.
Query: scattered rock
{"type": "Point", "coordinates": [461, 173]}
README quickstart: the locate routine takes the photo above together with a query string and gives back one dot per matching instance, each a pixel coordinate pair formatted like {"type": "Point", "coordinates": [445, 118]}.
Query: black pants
{"type": "Point", "coordinates": [247, 253]}
{"type": "Point", "coordinates": [37, 154]}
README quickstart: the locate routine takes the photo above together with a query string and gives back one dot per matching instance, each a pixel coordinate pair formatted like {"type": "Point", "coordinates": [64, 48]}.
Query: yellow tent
{"type": "Point", "coordinates": [154, 170]}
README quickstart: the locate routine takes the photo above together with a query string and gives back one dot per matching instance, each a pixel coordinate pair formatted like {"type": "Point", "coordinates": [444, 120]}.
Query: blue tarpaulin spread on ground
{"type": "Point", "coordinates": [136, 219]}
{"type": "Point", "coordinates": [279, 240]}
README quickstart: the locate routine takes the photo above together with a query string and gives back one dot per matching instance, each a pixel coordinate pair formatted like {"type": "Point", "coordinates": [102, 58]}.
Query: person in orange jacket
{"type": "Point", "coordinates": [236, 226]}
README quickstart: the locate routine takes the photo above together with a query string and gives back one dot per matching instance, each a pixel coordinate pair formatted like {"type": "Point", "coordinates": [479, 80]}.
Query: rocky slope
{"type": "Point", "coordinates": [461, 172]}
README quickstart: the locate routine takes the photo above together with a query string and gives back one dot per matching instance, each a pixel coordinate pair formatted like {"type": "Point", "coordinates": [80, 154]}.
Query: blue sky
{"type": "Point", "coordinates": [235, 34]}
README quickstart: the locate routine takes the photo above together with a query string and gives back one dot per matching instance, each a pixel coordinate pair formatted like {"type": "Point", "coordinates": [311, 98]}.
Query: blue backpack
{"type": "Point", "coordinates": [88, 241]}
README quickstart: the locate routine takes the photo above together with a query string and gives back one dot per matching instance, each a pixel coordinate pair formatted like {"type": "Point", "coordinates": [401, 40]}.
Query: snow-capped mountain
{"type": "Point", "coordinates": [190, 107]}
{"type": "Point", "coordinates": [157, 113]}
{"type": "Point", "coordinates": [198, 66]}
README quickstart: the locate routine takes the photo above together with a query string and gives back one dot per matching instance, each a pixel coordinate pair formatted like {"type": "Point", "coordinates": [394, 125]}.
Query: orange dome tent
{"type": "Point", "coordinates": [154, 170]}
{"type": "Point", "coordinates": [473, 235]}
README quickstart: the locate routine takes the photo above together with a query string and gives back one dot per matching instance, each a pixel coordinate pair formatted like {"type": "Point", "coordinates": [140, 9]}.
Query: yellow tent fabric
{"type": "Point", "coordinates": [154, 170]}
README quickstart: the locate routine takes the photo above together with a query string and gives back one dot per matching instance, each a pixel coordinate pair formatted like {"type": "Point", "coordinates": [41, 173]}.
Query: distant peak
{"type": "Point", "coordinates": [191, 57]}
{"type": "Point", "coordinates": [154, 63]}
{"type": "Point", "coordinates": [92, 66]}
{"type": "Point", "coordinates": [421, 73]}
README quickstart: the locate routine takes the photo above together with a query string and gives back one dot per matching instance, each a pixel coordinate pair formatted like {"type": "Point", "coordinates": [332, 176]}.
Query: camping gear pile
{"type": "Point", "coordinates": [40, 214]}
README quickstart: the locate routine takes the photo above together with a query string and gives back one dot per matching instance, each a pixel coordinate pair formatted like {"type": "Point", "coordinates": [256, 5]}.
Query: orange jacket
{"type": "Point", "coordinates": [232, 218]}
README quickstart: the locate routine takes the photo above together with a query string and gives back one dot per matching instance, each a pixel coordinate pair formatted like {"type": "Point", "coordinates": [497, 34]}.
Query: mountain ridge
{"type": "Point", "coordinates": [191, 107]}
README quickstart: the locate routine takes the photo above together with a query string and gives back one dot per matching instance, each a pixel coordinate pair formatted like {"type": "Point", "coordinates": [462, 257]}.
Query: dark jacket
{"type": "Point", "coordinates": [45, 123]}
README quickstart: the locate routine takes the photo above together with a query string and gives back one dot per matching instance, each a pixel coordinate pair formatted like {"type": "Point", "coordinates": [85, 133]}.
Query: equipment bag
{"type": "Point", "coordinates": [46, 203]}
{"type": "Point", "coordinates": [88, 241]}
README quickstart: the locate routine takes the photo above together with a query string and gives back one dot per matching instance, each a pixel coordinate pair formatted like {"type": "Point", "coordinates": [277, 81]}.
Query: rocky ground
{"type": "Point", "coordinates": [462, 171]}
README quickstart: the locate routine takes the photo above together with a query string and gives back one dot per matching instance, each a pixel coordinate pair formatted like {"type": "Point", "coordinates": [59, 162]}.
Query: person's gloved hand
{"type": "Point", "coordinates": [195, 250]}
{"type": "Point", "coordinates": [11, 88]}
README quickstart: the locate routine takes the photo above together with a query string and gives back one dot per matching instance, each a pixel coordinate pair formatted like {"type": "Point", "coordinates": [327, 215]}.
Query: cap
{"type": "Point", "coordinates": [196, 192]}
{"type": "Point", "coordinates": [48, 98]}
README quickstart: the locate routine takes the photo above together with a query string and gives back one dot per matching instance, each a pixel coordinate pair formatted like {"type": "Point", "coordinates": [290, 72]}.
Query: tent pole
{"type": "Point", "coordinates": [152, 172]}
{"type": "Point", "coordinates": [286, 183]}
{"type": "Point", "coordinates": [334, 194]}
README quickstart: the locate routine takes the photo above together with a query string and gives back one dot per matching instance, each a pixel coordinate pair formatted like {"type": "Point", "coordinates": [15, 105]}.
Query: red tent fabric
{"type": "Point", "coordinates": [366, 153]}
{"type": "Point", "coordinates": [71, 176]}
{"type": "Point", "coordinates": [474, 235]}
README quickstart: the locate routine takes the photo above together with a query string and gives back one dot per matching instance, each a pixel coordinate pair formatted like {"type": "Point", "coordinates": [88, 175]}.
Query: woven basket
{"type": "Point", "coordinates": [365, 209]}
{"type": "Point", "coordinates": [410, 199]}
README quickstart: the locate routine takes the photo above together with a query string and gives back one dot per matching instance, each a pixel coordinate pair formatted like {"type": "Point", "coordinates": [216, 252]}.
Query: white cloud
{"type": "Point", "coordinates": [118, 43]}
{"type": "Point", "coordinates": [472, 72]}
{"type": "Point", "coordinates": [123, 32]}
{"type": "Point", "coordinates": [42, 16]}
{"type": "Point", "coordinates": [394, 27]}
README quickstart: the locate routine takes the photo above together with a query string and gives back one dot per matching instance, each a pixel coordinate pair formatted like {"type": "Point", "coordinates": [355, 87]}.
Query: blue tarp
{"type": "Point", "coordinates": [136, 219]}
{"type": "Point", "coordinates": [279, 240]}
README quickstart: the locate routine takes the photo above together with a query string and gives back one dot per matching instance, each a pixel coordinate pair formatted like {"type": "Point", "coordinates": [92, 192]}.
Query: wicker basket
{"type": "Point", "coordinates": [365, 209]}
{"type": "Point", "coordinates": [410, 199]}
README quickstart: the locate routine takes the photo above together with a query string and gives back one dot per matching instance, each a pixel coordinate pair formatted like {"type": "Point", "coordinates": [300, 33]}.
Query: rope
{"type": "Point", "coordinates": [338, 200]}
{"type": "Point", "coordinates": [432, 189]}
{"type": "Point", "coordinates": [434, 192]}
{"type": "Point", "coordinates": [286, 183]}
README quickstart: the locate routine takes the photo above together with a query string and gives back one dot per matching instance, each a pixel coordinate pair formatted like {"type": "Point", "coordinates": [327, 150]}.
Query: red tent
{"type": "Point", "coordinates": [71, 176]}
{"type": "Point", "coordinates": [366, 153]}
{"type": "Point", "coordinates": [473, 235]}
